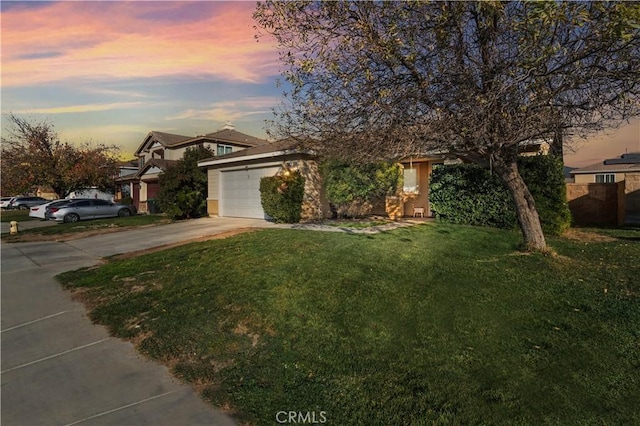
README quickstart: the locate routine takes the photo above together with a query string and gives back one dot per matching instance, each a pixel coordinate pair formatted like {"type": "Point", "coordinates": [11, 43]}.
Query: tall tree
{"type": "Point", "coordinates": [389, 79]}
{"type": "Point", "coordinates": [33, 155]}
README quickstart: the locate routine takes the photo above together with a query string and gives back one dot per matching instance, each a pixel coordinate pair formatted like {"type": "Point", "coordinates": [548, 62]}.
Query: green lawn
{"type": "Point", "coordinates": [432, 324]}
{"type": "Point", "coordinates": [18, 215]}
{"type": "Point", "coordinates": [99, 225]}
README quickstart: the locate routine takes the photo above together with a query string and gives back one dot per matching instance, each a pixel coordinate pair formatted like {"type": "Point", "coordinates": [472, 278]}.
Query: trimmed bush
{"type": "Point", "coordinates": [281, 197]}
{"type": "Point", "coordinates": [470, 194]}
{"type": "Point", "coordinates": [544, 178]}
{"type": "Point", "coordinates": [354, 188]}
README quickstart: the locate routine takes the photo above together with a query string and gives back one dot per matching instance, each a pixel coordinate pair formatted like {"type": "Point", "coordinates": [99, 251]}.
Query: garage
{"type": "Point", "coordinates": [240, 190]}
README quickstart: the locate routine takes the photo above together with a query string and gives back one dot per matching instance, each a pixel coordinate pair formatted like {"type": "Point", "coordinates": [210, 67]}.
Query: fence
{"type": "Point", "coordinates": [606, 204]}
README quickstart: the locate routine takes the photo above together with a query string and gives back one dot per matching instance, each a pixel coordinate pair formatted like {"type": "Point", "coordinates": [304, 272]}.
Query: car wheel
{"type": "Point", "coordinates": [124, 212]}
{"type": "Point", "coordinates": [71, 218]}
{"type": "Point", "coordinates": [24, 207]}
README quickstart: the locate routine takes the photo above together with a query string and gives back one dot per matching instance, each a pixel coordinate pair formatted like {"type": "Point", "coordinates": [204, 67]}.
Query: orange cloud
{"type": "Point", "coordinates": [98, 40]}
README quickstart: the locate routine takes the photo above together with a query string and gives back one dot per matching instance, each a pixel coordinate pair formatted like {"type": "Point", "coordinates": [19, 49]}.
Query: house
{"type": "Point", "coordinates": [234, 180]}
{"type": "Point", "coordinates": [608, 171]}
{"type": "Point", "coordinates": [606, 193]}
{"type": "Point", "coordinates": [159, 150]}
{"type": "Point", "coordinates": [125, 179]}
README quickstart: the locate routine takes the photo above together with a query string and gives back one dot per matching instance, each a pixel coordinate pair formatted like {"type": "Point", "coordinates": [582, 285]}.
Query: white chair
{"type": "Point", "coordinates": [418, 211]}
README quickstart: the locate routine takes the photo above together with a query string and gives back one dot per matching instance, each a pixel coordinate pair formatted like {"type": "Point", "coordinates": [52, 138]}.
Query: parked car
{"type": "Point", "coordinates": [88, 209]}
{"type": "Point", "coordinates": [4, 202]}
{"type": "Point", "coordinates": [40, 211]}
{"type": "Point", "coordinates": [24, 203]}
{"type": "Point", "coordinates": [48, 209]}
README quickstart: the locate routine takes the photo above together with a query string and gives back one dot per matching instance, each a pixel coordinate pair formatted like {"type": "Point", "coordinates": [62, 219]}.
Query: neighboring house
{"type": "Point", "coordinates": [159, 150]}
{"type": "Point", "coordinates": [125, 179]}
{"type": "Point", "coordinates": [46, 192]}
{"type": "Point", "coordinates": [234, 180]}
{"type": "Point", "coordinates": [608, 171]}
{"type": "Point", "coordinates": [606, 193]}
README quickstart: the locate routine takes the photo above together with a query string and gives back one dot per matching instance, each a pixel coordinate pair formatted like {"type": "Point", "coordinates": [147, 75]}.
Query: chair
{"type": "Point", "coordinates": [418, 211]}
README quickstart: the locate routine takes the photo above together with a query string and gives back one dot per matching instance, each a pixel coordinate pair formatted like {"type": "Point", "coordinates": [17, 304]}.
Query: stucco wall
{"type": "Point", "coordinates": [593, 203]}
{"type": "Point", "coordinates": [212, 208]}
{"type": "Point", "coordinates": [607, 204]}
{"type": "Point", "coordinates": [632, 198]}
{"type": "Point", "coordinates": [591, 178]}
{"type": "Point", "coordinates": [421, 198]}
{"type": "Point", "coordinates": [213, 181]}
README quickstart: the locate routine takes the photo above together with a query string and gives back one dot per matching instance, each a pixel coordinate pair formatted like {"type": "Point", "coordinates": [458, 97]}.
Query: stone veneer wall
{"type": "Point", "coordinates": [315, 206]}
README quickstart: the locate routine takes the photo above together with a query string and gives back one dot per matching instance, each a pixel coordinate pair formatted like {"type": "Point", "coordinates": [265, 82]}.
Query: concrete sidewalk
{"type": "Point", "coordinates": [60, 369]}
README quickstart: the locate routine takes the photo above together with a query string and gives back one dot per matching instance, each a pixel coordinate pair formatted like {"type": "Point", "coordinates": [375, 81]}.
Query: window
{"type": "Point", "coordinates": [605, 178]}
{"type": "Point", "coordinates": [410, 180]}
{"type": "Point", "coordinates": [99, 202]}
{"type": "Point", "coordinates": [223, 149]}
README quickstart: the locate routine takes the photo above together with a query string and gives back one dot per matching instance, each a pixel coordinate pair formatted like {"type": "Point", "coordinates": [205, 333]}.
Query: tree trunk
{"type": "Point", "coordinates": [528, 218]}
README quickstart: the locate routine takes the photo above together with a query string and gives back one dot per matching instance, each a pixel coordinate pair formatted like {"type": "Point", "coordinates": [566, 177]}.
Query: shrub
{"type": "Point", "coordinates": [544, 178]}
{"type": "Point", "coordinates": [471, 194]}
{"type": "Point", "coordinates": [354, 188]}
{"type": "Point", "coordinates": [281, 197]}
{"type": "Point", "coordinates": [183, 186]}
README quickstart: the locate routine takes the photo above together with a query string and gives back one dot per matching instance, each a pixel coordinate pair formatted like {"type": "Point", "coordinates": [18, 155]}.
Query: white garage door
{"type": "Point", "coordinates": [241, 192]}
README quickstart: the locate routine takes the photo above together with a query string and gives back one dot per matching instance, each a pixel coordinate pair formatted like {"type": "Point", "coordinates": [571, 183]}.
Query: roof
{"type": "Point", "coordinates": [155, 162]}
{"type": "Point", "coordinates": [229, 136]}
{"type": "Point", "coordinates": [268, 150]}
{"type": "Point", "coordinates": [233, 136]}
{"type": "Point", "coordinates": [625, 163]}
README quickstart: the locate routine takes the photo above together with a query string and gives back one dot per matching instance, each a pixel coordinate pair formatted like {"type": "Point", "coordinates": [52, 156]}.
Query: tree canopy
{"type": "Point", "coordinates": [373, 80]}
{"type": "Point", "coordinates": [33, 156]}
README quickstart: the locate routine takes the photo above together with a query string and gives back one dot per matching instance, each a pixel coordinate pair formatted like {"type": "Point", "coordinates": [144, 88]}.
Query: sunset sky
{"type": "Point", "coordinates": [112, 71]}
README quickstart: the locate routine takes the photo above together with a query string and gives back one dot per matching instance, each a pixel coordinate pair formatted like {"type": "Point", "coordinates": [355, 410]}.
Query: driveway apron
{"type": "Point", "coordinates": [57, 368]}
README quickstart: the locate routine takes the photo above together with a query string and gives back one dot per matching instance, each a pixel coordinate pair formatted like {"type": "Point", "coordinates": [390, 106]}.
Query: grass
{"type": "Point", "coordinates": [435, 324]}
{"type": "Point", "coordinates": [83, 227]}
{"type": "Point", "coordinates": [18, 215]}
{"type": "Point", "coordinates": [359, 224]}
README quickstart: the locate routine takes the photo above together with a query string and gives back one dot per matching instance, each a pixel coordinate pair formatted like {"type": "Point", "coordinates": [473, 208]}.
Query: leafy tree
{"type": "Point", "coordinates": [475, 78]}
{"type": "Point", "coordinates": [183, 186]}
{"type": "Point", "coordinates": [33, 155]}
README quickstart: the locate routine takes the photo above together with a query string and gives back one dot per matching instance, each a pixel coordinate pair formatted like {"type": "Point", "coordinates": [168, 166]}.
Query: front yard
{"type": "Point", "coordinates": [432, 324]}
{"type": "Point", "coordinates": [68, 231]}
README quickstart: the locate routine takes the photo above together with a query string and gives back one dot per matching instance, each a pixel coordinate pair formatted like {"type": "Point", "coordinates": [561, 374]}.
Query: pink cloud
{"type": "Point", "coordinates": [69, 40]}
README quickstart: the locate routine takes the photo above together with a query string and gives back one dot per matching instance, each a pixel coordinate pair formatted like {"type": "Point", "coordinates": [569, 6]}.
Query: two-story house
{"type": "Point", "coordinates": [159, 150]}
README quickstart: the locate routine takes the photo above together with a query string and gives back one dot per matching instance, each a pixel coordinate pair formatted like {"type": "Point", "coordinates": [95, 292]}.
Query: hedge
{"type": "Point", "coordinates": [471, 194]}
{"type": "Point", "coordinates": [281, 197]}
{"type": "Point", "coordinates": [353, 188]}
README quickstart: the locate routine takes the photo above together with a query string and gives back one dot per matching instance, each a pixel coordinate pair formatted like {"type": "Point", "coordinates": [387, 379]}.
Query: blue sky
{"type": "Point", "coordinates": [109, 72]}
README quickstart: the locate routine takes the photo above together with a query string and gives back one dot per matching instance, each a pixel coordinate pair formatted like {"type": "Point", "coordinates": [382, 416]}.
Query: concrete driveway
{"type": "Point", "coordinates": [58, 368]}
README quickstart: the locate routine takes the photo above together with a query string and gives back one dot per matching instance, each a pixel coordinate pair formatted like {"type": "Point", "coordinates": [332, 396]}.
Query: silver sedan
{"type": "Point", "coordinates": [88, 209]}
